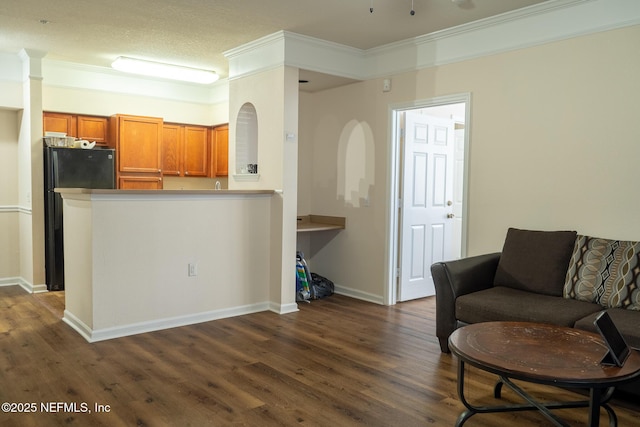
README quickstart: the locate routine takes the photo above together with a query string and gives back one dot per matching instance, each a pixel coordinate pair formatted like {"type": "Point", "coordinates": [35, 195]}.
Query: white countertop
{"type": "Point", "coordinates": [159, 192]}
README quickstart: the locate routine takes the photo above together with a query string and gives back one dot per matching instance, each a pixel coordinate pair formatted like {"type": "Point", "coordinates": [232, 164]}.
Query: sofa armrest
{"type": "Point", "coordinates": [455, 278]}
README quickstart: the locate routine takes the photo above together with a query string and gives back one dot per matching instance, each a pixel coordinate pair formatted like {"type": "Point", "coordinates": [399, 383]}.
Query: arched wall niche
{"type": "Point", "coordinates": [247, 140]}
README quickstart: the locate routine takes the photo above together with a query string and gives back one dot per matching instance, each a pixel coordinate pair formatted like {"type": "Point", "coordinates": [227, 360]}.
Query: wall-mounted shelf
{"type": "Point", "coordinates": [308, 223]}
{"type": "Point", "coordinates": [247, 177]}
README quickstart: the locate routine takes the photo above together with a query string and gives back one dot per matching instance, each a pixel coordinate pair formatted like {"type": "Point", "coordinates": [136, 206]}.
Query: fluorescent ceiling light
{"type": "Point", "coordinates": [165, 71]}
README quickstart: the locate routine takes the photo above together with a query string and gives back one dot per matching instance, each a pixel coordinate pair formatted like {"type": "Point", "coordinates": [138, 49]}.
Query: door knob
{"type": "Point", "coordinates": [450, 215]}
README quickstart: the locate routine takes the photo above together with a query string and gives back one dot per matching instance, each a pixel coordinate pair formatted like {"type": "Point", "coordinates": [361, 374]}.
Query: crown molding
{"type": "Point", "coordinates": [527, 27]}
{"type": "Point", "coordinates": [535, 25]}
{"type": "Point", "coordinates": [323, 56]}
{"type": "Point", "coordinates": [285, 48]}
{"type": "Point", "coordinates": [531, 26]}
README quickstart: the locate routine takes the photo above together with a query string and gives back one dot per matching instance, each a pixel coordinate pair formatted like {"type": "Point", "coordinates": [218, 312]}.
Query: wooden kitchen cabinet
{"type": "Point", "coordinates": [185, 150]}
{"type": "Point", "coordinates": [219, 148]}
{"type": "Point", "coordinates": [139, 183]}
{"type": "Point", "coordinates": [59, 122]}
{"type": "Point", "coordinates": [93, 128]}
{"type": "Point", "coordinates": [138, 144]}
{"type": "Point", "coordinates": [172, 136]}
{"type": "Point", "coordinates": [90, 128]}
{"type": "Point", "coordinates": [196, 150]}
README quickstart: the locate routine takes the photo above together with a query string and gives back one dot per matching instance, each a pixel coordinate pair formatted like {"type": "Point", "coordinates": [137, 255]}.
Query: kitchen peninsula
{"type": "Point", "coordinates": [138, 261]}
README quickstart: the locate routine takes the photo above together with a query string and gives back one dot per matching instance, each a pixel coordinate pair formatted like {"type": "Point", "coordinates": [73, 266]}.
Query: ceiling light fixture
{"type": "Point", "coordinates": [165, 71]}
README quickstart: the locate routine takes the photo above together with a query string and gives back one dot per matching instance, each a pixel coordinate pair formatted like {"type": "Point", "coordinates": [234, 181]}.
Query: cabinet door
{"type": "Point", "coordinates": [195, 150]}
{"type": "Point", "coordinates": [59, 122]}
{"type": "Point", "coordinates": [140, 144]}
{"type": "Point", "coordinates": [172, 137]}
{"type": "Point", "coordinates": [220, 151]}
{"type": "Point", "coordinates": [93, 129]}
{"type": "Point", "coordinates": [139, 183]}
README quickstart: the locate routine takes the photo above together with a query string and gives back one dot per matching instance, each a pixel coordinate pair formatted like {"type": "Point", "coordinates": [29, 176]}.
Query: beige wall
{"type": "Point", "coordinates": [553, 145]}
{"type": "Point", "coordinates": [117, 286]}
{"type": "Point", "coordinates": [8, 156]}
{"type": "Point", "coordinates": [9, 238]}
{"type": "Point", "coordinates": [266, 92]}
{"type": "Point", "coordinates": [274, 95]}
{"type": "Point", "coordinates": [103, 103]}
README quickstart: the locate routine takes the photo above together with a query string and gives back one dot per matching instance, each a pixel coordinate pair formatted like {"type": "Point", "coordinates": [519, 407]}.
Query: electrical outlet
{"type": "Point", "coordinates": [193, 269]}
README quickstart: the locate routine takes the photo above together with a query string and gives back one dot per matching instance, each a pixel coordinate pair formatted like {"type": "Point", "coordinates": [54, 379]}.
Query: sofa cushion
{"type": "Point", "coordinates": [604, 271]}
{"type": "Point", "coordinates": [627, 321]}
{"type": "Point", "coordinates": [535, 261]}
{"type": "Point", "coordinates": [507, 304]}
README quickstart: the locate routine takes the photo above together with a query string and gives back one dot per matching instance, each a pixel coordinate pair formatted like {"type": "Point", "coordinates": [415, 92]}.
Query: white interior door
{"type": "Point", "coordinates": [427, 202]}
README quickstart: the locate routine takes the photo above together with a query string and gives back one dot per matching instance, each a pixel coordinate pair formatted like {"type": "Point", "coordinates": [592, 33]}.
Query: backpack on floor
{"type": "Point", "coordinates": [303, 290]}
{"type": "Point", "coordinates": [321, 287]}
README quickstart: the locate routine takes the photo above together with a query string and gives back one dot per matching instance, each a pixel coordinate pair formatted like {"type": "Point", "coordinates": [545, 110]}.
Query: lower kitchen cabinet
{"type": "Point", "coordinates": [139, 183]}
{"type": "Point", "coordinates": [138, 144]}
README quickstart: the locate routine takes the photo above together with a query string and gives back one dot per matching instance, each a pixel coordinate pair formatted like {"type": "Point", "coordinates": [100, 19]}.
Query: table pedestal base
{"type": "Point", "coordinates": [597, 399]}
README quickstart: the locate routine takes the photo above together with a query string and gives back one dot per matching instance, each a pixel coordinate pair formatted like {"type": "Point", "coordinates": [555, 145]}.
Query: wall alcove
{"type": "Point", "coordinates": [246, 168]}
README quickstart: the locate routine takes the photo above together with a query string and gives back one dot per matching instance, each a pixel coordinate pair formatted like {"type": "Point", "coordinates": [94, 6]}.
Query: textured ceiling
{"type": "Point", "coordinates": [197, 32]}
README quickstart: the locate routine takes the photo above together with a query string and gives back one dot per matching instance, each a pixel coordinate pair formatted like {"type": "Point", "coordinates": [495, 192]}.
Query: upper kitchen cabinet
{"type": "Point", "coordinates": [138, 144]}
{"type": "Point", "coordinates": [172, 148]}
{"type": "Point", "coordinates": [90, 128]}
{"type": "Point", "coordinates": [195, 150]}
{"type": "Point", "coordinates": [185, 150]}
{"type": "Point", "coordinates": [59, 122]}
{"type": "Point", "coordinates": [219, 165]}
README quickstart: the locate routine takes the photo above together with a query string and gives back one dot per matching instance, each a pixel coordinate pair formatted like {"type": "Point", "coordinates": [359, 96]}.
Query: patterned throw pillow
{"type": "Point", "coordinates": [606, 272]}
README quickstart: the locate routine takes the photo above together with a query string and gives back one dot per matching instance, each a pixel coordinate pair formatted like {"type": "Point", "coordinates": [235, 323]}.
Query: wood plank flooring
{"type": "Point", "coordinates": [336, 362]}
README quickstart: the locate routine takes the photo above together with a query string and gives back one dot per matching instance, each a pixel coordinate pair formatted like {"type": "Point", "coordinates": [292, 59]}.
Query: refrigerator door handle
{"type": "Point", "coordinates": [54, 169]}
{"type": "Point", "coordinates": [57, 203]}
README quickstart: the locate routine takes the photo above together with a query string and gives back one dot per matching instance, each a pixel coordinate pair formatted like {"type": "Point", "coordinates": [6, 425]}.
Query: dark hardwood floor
{"type": "Point", "coordinates": [336, 362]}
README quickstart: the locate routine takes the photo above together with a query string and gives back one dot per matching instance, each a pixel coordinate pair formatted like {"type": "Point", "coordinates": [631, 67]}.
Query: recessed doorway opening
{"type": "Point", "coordinates": [428, 197]}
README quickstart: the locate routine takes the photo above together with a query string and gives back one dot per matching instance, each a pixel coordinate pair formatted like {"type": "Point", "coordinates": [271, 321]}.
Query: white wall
{"type": "Point", "coordinates": [553, 145]}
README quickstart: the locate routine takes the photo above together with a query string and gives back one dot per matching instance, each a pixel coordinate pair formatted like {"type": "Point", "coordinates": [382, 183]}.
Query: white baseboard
{"type": "Point", "coordinates": [94, 335]}
{"type": "Point", "coordinates": [10, 281]}
{"type": "Point", "coordinates": [283, 308]}
{"type": "Point", "coordinates": [19, 281]}
{"type": "Point", "coordinates": [78, 325]}
{"type": "Point", "coordinates": [354, 293]}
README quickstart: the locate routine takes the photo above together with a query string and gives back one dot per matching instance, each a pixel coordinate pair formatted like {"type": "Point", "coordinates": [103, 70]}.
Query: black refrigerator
{"type": "Point", "coordinates": [69, 168]}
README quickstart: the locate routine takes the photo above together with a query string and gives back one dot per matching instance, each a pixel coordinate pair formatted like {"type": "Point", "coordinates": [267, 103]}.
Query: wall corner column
{"type": "Point", "coordinates": [31, 173]}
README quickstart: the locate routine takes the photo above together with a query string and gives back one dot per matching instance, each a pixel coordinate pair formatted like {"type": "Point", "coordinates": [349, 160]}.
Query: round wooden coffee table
{"type": "Point", "coordinates": [543, 354]}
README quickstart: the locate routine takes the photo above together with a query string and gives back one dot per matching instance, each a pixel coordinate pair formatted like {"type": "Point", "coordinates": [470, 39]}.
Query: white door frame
{"type": "Point", "coordinates": [393, 190]}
